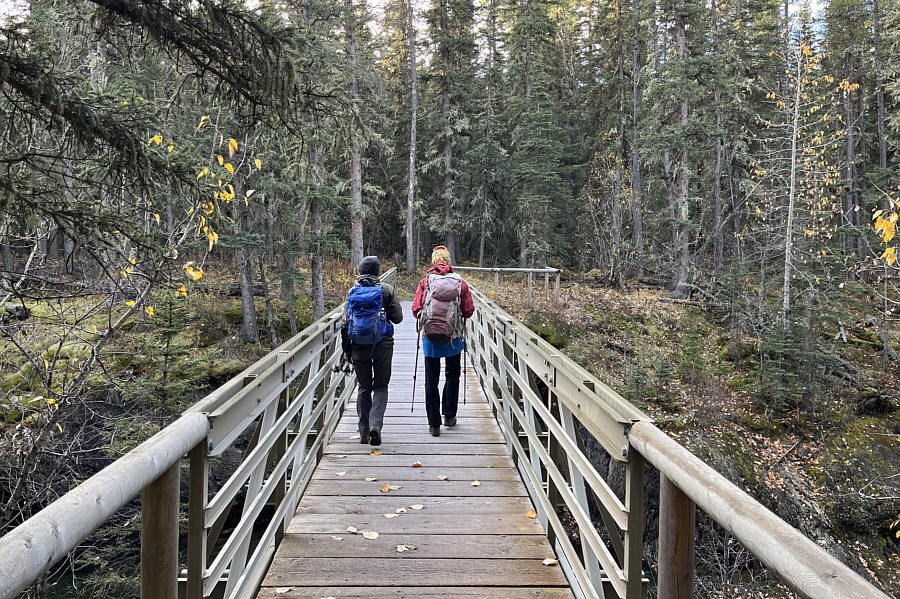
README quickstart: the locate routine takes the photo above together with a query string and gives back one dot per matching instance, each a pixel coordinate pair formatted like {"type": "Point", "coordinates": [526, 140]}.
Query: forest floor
{"type": "Point", "coordinates": [816, 450]}
{"type": "Point", "coordinates": [813, 449]}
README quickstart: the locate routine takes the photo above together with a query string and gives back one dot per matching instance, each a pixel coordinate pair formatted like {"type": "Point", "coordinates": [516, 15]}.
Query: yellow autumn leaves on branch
{"type": "Point", "coordinates": [886, 227]}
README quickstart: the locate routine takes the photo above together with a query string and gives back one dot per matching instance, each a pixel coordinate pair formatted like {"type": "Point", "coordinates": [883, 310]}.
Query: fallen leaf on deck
{"type": "Point", "coordinates": [475, 483]}
{"type": "Point", "coordinates": [401, 510]}
{"type": "Point", "coordinates": [418, 506]}
{"type": "Point", "coordinates": [385, 488]}
{"type": "Point", "coordinates": [417, 464]}
{"type": "Point", "coordinates": [282, 590]}
{"type": "Point", "coordinates": [531, 514]}
{"type": "Point", "coordinates": [550, 561]}
{"type": "Point", "coordinates": [442, 477]}
{"type": "Point", "coordinates": [352, 529]}
{"type": "Point", "coordinates": [337, 538]}
{"type": "Point", "coordinates": [341, 456]}
{"type": "Point", "coordinates": [376, 452]}
{"type": "Point", "coordinates": [402, 548]}
{"type": "Point", "coordinates": [354, 436]}
{"type": "Point", "coordinates": [369, 534]}
{"type": "Point", "coordinates": [395, 487]}
{"type": "Point", "coordinates": [341, 473]}
{"type": "Point", "coordinates": [391, 515]}
{"type": "Point", "coordinates": [370, 479]}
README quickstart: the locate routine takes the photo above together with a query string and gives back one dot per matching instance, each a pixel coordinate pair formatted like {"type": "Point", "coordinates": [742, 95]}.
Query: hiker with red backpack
{"type": "Point", "coordinates": [367, 340]}
{"type": "Point", "coordinates": [441, 304]}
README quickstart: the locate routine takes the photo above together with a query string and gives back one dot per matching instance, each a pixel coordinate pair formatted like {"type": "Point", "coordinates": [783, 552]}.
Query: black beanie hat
{"type": "Point", "coordinates": [370, 265]}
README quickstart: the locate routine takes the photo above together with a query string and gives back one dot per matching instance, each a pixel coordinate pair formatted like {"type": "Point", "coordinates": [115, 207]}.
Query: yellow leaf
{"type": "Point", "coordinates": [171, 147]}
{"type": "Point", "coordinates": [531, 514]}
{"type": "Point", "coordinates": [129, 303]}
{"type": "Point", "coordinates": [151, 311]}
{"type": "Point", "coordinates": [250, 192]}
{"type": "Point", "coordinates": [889, 229]}
{"type": "Point", "coordinates": [232, 146]}
{"type": "Point", "coordinates": [59, 426]}
{"type": "Point", "coordinates": [550, 561]}
{"type": "Point", "coordinates": [417, 464]}
{"type": "Point", "coordinates": [204, 120]}
{"type": "Point", "coordinates": [258, 163]}
{"type": "Point", "coordinates": [475, 483]}
{"type": "Point", "coordinates": [157, 138]}
{"type": "Point", "coordinates": [229, 168]}
{"type": "Point", "coordinates": [890, 255]}
{"type": "Point", "coordinates": [221, 159]}
{"type": "Point", "coordinates": [181, 291]}
{"type": "Point", "coordinates": [376, 452]}
{"type": "Point", "coordinates": [385, 488]}
{"type": "Point", "coordinates": [156, 216]}
{"type": "Point", "coordinates": [203, 172]}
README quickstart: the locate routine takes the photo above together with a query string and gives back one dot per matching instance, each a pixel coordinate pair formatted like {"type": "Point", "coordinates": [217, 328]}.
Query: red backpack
{"type": "Point", "coordinates": [440, 319]}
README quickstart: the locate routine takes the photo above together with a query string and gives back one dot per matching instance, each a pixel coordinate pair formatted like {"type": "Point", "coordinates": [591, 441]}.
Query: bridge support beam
{"type": "Point", "coordinates": [159, 537]}
{"type": "Point", "coordinates": [677, 523]}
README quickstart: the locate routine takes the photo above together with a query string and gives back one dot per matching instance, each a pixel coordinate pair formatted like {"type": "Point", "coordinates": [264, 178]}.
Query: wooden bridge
{"type": "Point", "coordinates": [504, 504]}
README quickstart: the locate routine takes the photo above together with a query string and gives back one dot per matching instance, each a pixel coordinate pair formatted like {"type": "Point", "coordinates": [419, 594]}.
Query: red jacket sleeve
{"type": "Point", "coordinates": [419, 300]}
{"type": "Point", "coordinates": [466, 305]}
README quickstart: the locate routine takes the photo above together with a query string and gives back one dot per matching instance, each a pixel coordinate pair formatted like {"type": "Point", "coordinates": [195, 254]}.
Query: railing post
{"type": "Point", "coordinates": [634, 534]}
{"type": "Point", "coordinates": [677, 522]}
{"type": "Point", "coordinates": [557, 287]}
{"type": "Point", "coordinates": [197, 501]}
{"type": "Point", "coordinates": [159, 537]}
{"type": "Point", "coordinates": [530, 292]}
{"type": "Point", "coordinates": [496, 283]}
{"type": "Point", "coordinates": [546, 285]}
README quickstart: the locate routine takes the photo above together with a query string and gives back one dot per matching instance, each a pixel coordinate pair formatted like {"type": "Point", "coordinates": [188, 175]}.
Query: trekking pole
{"type": "Point", "coordinates": [415, 371]}
{"type": "Point", "coordinates": [465, 361]}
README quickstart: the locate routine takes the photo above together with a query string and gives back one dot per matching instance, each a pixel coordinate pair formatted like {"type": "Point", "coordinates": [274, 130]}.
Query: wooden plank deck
{"type": "Point", "coordinates": [470, 540]}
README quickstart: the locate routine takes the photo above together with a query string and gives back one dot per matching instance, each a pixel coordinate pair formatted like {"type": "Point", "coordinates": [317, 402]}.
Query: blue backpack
{"type": "Point", "coordinates": [367, 323]}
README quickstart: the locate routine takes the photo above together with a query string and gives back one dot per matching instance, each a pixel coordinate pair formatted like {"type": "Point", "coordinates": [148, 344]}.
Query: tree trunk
{"type": "Point", "coordinates": [356, 207]}
{"type": "Point", "coordinates": [718, 234]}
{"type": "Point", "coordinates": [270, 313]}
{"type": "Point", "coordinates": [637, 218]}
{"type": "Point", "coordinates": [316, 258]}
{"type": "Point", "coordinates": [789, 226]}
{"type": "Point", "coordinates": [682, 226]}
{"type": "Point", "coordinates": [618, 276]}
{"type": "Point", "coordinates": [288, 293]}
{"type": "Point", "coordinates": [447, 141]}
{"type": "Point", "coordinates": [411, 249]}
{"type": "Point", "coordinates": [249, 328]}
{"type": "Point", "coordinates": [879, 85]}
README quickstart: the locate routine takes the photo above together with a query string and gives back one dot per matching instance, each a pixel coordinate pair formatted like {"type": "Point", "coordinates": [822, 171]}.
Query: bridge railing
{"type": "Point", "coordinates": [551, 409]}
{"type": "Point", "coordinates": [279, 413]}
{"type": "Point", "coordinates": [529, 271]}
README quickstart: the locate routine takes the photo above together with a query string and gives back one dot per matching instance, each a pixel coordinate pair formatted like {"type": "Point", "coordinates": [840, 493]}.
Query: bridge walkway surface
{"type": "Point", "coordinates": [461, 525]}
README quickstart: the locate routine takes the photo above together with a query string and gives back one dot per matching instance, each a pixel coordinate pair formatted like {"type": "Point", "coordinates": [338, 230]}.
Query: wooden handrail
{"type": "Point", "coordinates": [810, 570]}
{"type": "Point", "coordinates": [48, 536]}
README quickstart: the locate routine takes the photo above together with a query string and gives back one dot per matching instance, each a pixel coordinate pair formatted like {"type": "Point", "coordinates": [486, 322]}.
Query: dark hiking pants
{"type": "Point", "coordinates": [445, 403]}
{"type": "Point", "coordinates": [373, 373]}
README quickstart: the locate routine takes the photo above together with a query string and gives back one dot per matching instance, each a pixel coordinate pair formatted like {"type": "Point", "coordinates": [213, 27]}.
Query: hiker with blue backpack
{"type": "Point", "coordinates": [442, 303]}
{"type": "Point", "coordinates": [367, 340]}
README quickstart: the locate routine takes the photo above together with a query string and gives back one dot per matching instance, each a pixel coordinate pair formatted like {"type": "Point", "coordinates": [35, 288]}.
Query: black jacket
{"type": "Point", "coordinates": [392, 309]}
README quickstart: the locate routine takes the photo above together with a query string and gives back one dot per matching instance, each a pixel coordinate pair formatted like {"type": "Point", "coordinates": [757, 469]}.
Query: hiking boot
{"type": "Point", "coordinates": [435, 431]}
{"type": "Point", "coordinates": [449, 420]}
{"type": "Point", "coordinates": [364, 439]}
{"type": "Point", "coordinates": [374, 437]}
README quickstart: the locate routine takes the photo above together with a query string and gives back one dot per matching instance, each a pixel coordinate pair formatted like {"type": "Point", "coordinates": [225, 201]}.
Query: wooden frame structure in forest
{"type": "Point", "coordinates": [531, 272]}
{"type": "Point", "coordinates": [281, 412]}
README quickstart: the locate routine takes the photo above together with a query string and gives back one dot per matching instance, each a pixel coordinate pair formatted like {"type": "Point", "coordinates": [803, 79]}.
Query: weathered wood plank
{"type": "Point", "coordinates": [436, 488]}
{"type": "Point", "coordinates": [368, 592]}
{"type": "Point", "coordinates": [319, 504]}
{"type": "Point", "coordinates": [438, 447]}
{"type": "Point", "coordinates": [416, 522]}
{"type": "Point", "coordinates": [400, 571]}
{"type": "Point", "coordinates": [435, 546]}
{"type": "Point", "coordinates": [446, 437]}
{"type": "Point", "coordinates": [429, 461]}
{"type": "Point", "coordinates": [400, 473]}
{"type": "Point", "coordinates": [413, 427]}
